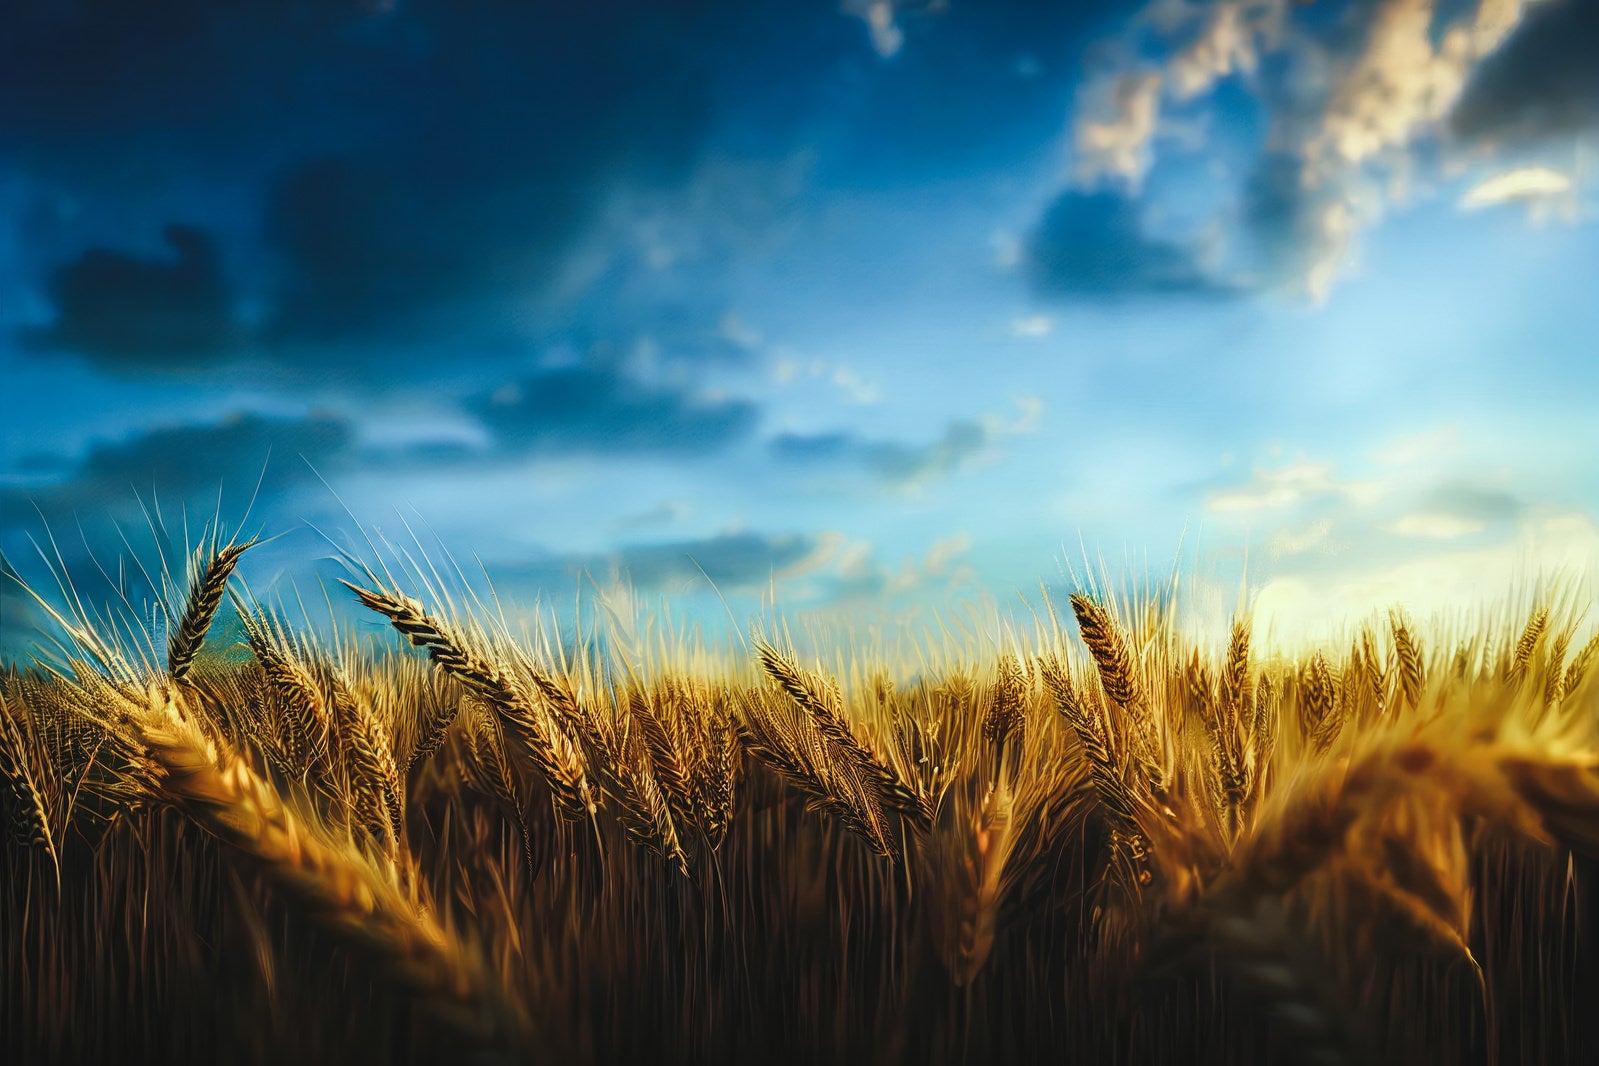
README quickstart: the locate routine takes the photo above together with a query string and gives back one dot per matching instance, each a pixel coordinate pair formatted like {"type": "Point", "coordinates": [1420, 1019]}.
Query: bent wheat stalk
{"type": "Point", "coordinates": [219, 791]}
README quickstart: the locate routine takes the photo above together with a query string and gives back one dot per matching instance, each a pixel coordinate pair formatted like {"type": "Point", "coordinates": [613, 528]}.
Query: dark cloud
{"type": "Point", "coordinates": [1542, 82]}
{"type": "Point", "coordinates": [730, 561]}
{"type": "Point", "coordinates": [1093, 245]}
{"type": "Point", "coordinates": [1284, 222]}
{"type": "Point", "coordinates": [894, 462]}
{"type": "Point", "coordinates": [520, 119]}
{"type": "Point", "coordinates": [604, 409]}
{"type": "Point", "coordinates": [192, 465]}
{"type": "Point", "coordinates": [124, 311]}
{"type": "Point", "coordinates": [419, 170]}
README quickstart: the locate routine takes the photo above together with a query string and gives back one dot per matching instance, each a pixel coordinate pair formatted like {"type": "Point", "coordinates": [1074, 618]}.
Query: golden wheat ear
{"type": "Point", "coordinates": [219, 791]}
{"type": "Point", "coordinates": [205, 597]}
{"type": "Point", "coordinates": [20, 771]}
{"type": "Point", "coordinates": [857, 782]}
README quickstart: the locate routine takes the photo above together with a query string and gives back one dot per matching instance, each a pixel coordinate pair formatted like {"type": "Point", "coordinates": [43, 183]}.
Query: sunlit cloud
{"type": "Point", "coordinates": [886, 36]}
{"type": "Point", "coordinates": [1437, 526]}
{"type": "Point", "coordinates": [1318, 604]}
{"type": "Point", "coordinates": [1545, 192]}
{"type": "Point", "coordinates": [1290, 486]}
{"type": "Point", "coordinates": [1357, 120]}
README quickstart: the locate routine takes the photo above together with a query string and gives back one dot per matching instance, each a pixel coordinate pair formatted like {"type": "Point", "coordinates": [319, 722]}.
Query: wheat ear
{"type": "Point", "coordinates": [205, 597]}
{"type": "Point", "coordinates": [218, 790]}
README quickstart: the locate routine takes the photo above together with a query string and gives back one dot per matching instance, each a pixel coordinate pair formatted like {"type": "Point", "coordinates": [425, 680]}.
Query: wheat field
{"type": "Point", "coordinates": [1094, 840]}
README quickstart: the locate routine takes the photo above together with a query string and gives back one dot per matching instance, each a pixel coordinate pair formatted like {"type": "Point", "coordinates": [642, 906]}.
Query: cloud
{"type": "Point", "coordinates": [1112, 138]}
{"type": "Point", "coordinates": [732, 561]}
{"type": "Point", "coordinates": [1093, 244]}
{"type": "Point", "coordinates": [1229, 39]}
{"type": "Point", "coordinates": [603, 409]}
{"type": "Point", "coordinates": [1379, 94]}
{"type": "Point", "coordinates": [1436, 525]}
{"type": "Point", "coordinates": [1289, 487]}
{"type": "Point", "coordinates": [1520, 183]}
{"type": "Point", "coordinates": [442, 160]}
{"type": "Point", "coordinates": [126, 312]}
{"type": "Point", "coordinates": [1299, 230]}
{"type": "Point", "coordinates": [887, 37]}
{"type": "Point", "coordinates": [855, 576]}
{"type": "Point", "coordinates": [1119, 111]}
{"type": "Point", "coordinates": [665, 513]}
{"type": "Point", "coordinates": [1032, 326]}
{"type": "Point", "coordinates": [1432, 528]}
{"type": "Point", "coordinates": [1543, 82]}
{"type": "Point", "coordinates": [1432, 580]}
{"type": "Point", "coordinates": [789, 369]}
{"type": "Point", "coordinates": [1356, 108]}
{"type": "Point", "coordinates": [1544, 191]}
{"type": "Point", "coordinates": [193, 468]}
{"type": "Point", "coordinates": [904, 465]}
{"type": "Point", "coordinates": [963, 443]}
{"type": "Point", "coordinates": [1406, 76]}
{"type": "Point", "coordinates": [1472, 502]}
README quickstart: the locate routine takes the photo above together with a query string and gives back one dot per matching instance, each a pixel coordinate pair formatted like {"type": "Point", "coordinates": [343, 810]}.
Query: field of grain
{"type": "Point", "coordinates": [1090, 840]}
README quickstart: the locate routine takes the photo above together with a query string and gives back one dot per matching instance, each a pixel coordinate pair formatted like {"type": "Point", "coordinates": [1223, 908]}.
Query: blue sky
{"type": "Point", "coordinates": [879, 307]}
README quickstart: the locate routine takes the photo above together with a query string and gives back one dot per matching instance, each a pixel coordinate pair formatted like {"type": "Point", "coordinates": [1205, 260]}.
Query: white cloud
{"type": "Point", "coordinates": [1312, 605]}
{"type": "Point", "coordinates": [1433, 530]}
{"type": "Point", "coordinates": [1112, 135]}
{"type": "Point", "coordinates": [860, 578]}
{"type": "Point", "coordinates": [1290, 486]}
{"type": "Point", "coordinates": [854, 387]}
{"type": "Point", "coordinates": [825, 551]}
{"type": "Point", "coordinates": [1545, 192]}
{"type": "Point", "coordinates": [1029, 413]}
{"type": "Point", "coordinates": [887, 37]}
{"type": "Point", "coordinates": [788, 369]}
{"type": "Point", "coordinates": [1229, 41]}
{"type": "Point", "coordinates": [1347, 111]}
{"type": "Point", "coordinates": [1519, 183]}
{"type": "Point", "coordinates": [942, 555]}
{"type": "Point", "coordinates": [1436, 525]}
{"type": "Point", "coordinates": [1402, 81]}
{"type": "Point", "coordinates": [1032, 326]}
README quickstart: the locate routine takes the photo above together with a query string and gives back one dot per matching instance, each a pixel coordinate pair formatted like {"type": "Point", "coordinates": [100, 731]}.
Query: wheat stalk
{"type": "Point", "coordinates": [206, 586]}
{"type": "Point", "coordinates": [219, 791]}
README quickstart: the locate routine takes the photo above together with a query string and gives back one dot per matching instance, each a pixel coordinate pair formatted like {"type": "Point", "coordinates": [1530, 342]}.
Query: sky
{"type": "Point", "coordinates": [870, 309]}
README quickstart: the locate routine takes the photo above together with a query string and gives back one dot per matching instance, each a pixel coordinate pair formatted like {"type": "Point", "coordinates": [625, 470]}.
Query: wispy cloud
{"type": "Point", "coordinates": [1112, 134]}
{"type": "Point", "coordinates": [1290, 486]}
{"type": "Point", "coordinates": [1357, 107]}
{"type": "Point", "coordinates": [886, 36]}
{"type": "Point", "coordinates": [604, 409]}
{"type": "Point", "coordinates": [1425, 527]}
{"type": "Point", "coordinates": [1545, 192]}
{"type": "Point", "coordinates": [910, 467]}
